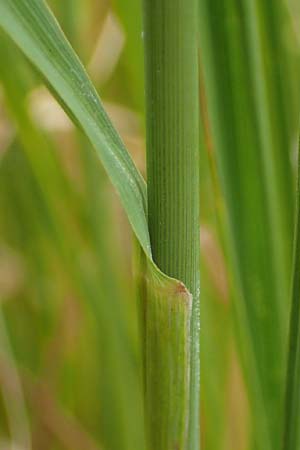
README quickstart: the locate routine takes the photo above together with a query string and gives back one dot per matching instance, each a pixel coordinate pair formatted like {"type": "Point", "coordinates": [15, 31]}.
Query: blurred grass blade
{"type": "Point", "coordinates": [32, 26]}
{"type": "Point", "coordinates": [12, 391]}
{"type": "Point", "coordinates": [291, 436]}
{"type": "Point", "coordinates": [250, 141]}
{"type": "Point", "coordinates": [132, 56]}
{"type": "Point", "coordinates": [273, 139]}
{"type": "Point", "coordinates": [166, 301]}
{"type": "Point", "coordinates": [46, 166]}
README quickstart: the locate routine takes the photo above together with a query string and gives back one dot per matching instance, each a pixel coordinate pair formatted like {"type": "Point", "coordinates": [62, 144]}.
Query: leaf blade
{"type": "Point", "coordinates": [291, 432]}
{"type": "Point", "coordinates": [34, 29]}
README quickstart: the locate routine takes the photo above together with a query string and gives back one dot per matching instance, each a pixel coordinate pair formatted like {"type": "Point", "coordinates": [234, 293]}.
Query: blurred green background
{"type": "Point", "coordinates": [70, 368]}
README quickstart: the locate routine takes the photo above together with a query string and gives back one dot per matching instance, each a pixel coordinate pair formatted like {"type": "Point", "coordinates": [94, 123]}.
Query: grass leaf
{"type": "Point", "coordinates": [291, 437]}
{"type": "Point", "coordinates": [250, 142]}
{"type": "Point", "coordinates": [34, 29]}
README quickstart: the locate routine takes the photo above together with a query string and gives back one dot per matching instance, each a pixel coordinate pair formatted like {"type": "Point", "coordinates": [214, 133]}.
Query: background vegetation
{"type": "Point", "coordinates": [70, 372]}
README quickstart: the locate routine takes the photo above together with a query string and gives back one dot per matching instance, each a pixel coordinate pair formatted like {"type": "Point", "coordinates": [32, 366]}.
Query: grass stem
{"type": "Point", "coordinates": [172, 157]}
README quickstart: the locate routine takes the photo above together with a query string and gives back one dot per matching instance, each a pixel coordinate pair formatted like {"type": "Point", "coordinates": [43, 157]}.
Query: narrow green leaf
{"type": "Point", "coordinates": [132, 56]}
{"type": "Point", "coordinates": [13, 398]}
{"type": "Point", "coordinates": [291, 436]}
{"type": "Point", "coordinates": [46, 166]}
{"type": "Point", "coordinates": [251, 144]}
{"type": "Point", "coordinates": [32, 26]}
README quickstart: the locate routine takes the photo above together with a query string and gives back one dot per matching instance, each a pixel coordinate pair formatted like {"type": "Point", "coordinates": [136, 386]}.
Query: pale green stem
{"type": "Point", "coordinates": [170, 35]}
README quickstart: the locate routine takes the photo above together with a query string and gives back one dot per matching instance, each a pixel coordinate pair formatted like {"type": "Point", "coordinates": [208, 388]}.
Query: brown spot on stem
{"type": "Point", "coordinates": [180, 288]}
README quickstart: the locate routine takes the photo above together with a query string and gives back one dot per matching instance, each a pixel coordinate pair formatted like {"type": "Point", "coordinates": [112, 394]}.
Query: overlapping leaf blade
{"type": "Point", "coordinates": [32, 26]}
